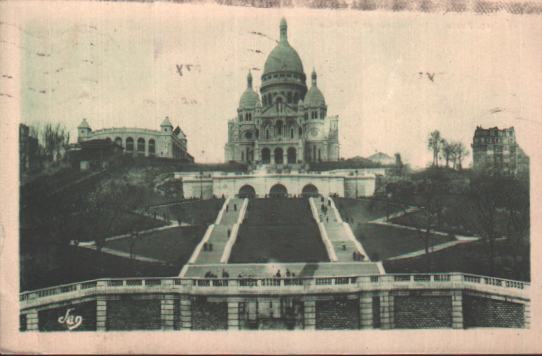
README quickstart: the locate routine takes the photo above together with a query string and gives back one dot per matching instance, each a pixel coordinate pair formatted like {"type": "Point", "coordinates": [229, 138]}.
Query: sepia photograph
{"type": "Point", "coordinates": [247, 167]}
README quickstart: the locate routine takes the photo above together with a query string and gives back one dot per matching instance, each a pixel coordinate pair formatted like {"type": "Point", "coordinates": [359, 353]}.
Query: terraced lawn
{"type": "Point", "coordinates": [364, 210]}
{"type": "Point", "coordinates": [173, 245]}
{"type": "Point", "coordinates": [195, 212]}
{"type": "Point", "coordinates": [278, 230]}
{"type": "Point", "coordinates": [382, 242]}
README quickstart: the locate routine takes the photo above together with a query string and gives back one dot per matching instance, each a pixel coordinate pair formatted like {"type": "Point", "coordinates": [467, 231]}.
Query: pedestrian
{"type": "Point", "coordinates": [287, 272]}
{"type": "Point", "coordinates": [278, 274]}
{"type": "Point", "coordinates": [229, 232]}
{"type": "Point", "coordinates": [205, 246]}
{"type": "Point", "coordinates": [354, 255]}
{"type": "Point", "coordinates": [234, 207]}
{"type": "Point", "coordinates": [227, 206]}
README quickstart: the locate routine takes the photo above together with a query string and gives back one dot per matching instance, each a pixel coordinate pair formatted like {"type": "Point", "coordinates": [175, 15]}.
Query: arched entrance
{"type": "Point", "coordinates": [278, 191]}
{"type": "Point", "coordinates": [266, 155]}
{"type": "Point", "coordinates": [292, 156]}
{"type": "Point", "coordinates": [310, 190]}
{"type": "Point", "coordinates": [279, 159]}
{"type": "Point", "coordinates": [247, 191]}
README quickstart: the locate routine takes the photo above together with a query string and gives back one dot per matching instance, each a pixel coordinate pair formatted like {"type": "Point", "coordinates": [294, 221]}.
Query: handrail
{"type": "Point", "coordinates": [384, 280]}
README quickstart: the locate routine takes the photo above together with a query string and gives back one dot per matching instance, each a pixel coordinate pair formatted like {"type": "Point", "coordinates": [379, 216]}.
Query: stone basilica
{"type": "Point", "coordinates": [286, 123]}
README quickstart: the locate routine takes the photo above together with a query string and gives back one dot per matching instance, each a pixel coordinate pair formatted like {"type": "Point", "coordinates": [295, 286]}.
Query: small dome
{"type": "Point", "coordinates": [314, 96]}
{"type": "Point", "coordinates": [84, 124]}
{"type": "Point", "coordinates": [250, 98]}
{"type": "Point", "coordinates": [166, 122]}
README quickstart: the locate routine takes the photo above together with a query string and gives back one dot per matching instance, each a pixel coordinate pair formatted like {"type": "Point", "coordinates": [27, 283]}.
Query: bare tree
{"type": "Point", "coordinates": [434, 143]}
{"type": "Point", "coordinates": [447, 151]}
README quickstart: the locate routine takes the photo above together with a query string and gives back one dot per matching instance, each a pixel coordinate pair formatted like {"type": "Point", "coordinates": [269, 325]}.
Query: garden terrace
{"type": "Point", "coordinates": [383, 241]}
{"type": "Point", "coordinates": [173, 246]}
{"type": "Point", "coordinates": [195, 212]}
{"type": "Point", "coordinates": [364, 210]}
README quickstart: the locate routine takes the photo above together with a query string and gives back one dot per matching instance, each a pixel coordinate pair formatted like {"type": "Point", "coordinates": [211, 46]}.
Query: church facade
{"type": "Point", "coordinates": [286, 123]}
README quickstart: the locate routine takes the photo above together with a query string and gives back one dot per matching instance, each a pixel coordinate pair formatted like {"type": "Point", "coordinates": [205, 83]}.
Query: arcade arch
{"type": "Point", "coordinates": [247, 191]}
{"type": "Point", "coordinates": [278, 191]}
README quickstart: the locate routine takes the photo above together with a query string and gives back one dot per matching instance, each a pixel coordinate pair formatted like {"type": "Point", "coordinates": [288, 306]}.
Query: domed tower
{"type": "Point", "coordinates": [247, 103]}
{"type": "Point", "coordinates": [283, 78]}
{"type": "Point", "coordinates": [83, 131]}
{"type": "Point", "coordinates": [315, 123]}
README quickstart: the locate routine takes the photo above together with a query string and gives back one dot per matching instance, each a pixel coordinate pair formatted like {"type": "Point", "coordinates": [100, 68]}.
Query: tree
{"type": "Point", "coordinates": [485, 197]}
{"type": "Point", "coordinates": [517, 207]}
{"type": "Point", "coordinates": [51, 137]}
{"type": "Point", "coordinates": [104, 207]}
{"type": "Point", "coordinates": [434, 143]}
{"type": "Point", "coordinates": [447, 151]}
{"type": "Point", "coordinates": [459, 152]}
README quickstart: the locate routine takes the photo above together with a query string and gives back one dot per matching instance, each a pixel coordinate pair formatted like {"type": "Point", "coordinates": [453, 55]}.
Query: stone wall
{"type": "Point", "coordinates": [487, 312]}
{"type": "Point", "coordinates": [129, 313]}
{"type": "Point", "coordinates": [418, 311]}
{"type": "Point", "coordinates": [208, 314]}
{"type": "Point", "coordinates": [337, 314]}
{"type": "Point", "coordinates": [75, 317]}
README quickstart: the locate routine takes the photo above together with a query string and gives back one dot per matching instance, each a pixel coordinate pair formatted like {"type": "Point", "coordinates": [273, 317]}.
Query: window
{"type": "Point", "coordinates": [129, 144]}
{"type": "Point", "coordinates": [300, 132]}
{"type": "Point", "coordinates": [141, 146]}
{"type": "Point", "coordinates": [267, 134]}
{"type": "Point", "coordinates": [289, 96]}
{"type": "Point", "coordinates": [257, 133]}
{"type": "Point", "coordinates": [242, 156]}
{"type": "Point", "coordinates": [291, 133]}
{"type": "Point", "coordinates": [306, 116]}
{"type": "Point", "coordinates": [152, 147]}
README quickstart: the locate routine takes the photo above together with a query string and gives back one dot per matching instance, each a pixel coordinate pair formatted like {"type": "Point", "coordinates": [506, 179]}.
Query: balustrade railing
{"type": "Point", "coordinates": [435, 280]}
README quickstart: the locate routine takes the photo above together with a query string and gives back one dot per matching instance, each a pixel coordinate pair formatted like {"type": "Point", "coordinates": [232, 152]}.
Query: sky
{"type": "Point", "coordinates": [391, 78]}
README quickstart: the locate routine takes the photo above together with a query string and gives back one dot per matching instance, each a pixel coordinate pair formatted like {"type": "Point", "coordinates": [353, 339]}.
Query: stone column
{"type": "Point", "coordinates": [186, 312]}
{"type": "Point", "coordinates": [101, 313]}
{"type": "Point", "coordinates": [527, 315]}
{"type": "Point", "coordinates": [32, 320]}
{"type": "Point", "coordinates": [167, 312]}
{"type": "Point", "coordinates": [386, 311]}
{"type": "Point", "coordinates": [366, 311]}
{"type": "Point", "coordinates": [233, 314]}
{"type": "Point", "coordinates": [457, 309]}
{"type": "Point", "coordinates": [309, 310]}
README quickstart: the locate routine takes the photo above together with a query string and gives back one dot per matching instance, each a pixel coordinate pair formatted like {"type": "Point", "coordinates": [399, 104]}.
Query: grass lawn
{"type": "Point", "coordinates": [196, 212]}
{"type": "Point", "coordinates": [363, 210]}
{"type": "Point", "coordinates": [75, 264]}
{"type": "Point", "coordinates": [453, 220]}
{"type": "Point", "coordinates": [382, 242]}
{"type": "Point", "coordinates": [467, 258]}
{"type": "Point", "coordinates": [173, 245]}
{"type": "Point", "coordinates": [278, 230]}
{"type": "Point", "coordinates": [261, 244]}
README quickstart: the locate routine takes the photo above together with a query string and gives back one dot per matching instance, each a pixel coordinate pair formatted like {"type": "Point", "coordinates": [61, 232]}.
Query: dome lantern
{"type": "Point", "coordinates": [283, 30]}
{"type": "Point", "coordinates": [249, 80]}
{"type": "Point", "coordinates": [313, 77]}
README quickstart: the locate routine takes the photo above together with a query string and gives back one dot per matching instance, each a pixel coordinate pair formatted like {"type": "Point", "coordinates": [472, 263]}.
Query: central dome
{"type": "Point", "coordinates": [283, 58]}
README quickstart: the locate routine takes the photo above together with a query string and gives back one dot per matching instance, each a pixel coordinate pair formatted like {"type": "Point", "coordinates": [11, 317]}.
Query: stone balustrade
{"type": "Point", "coordinates": [278, 286]}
